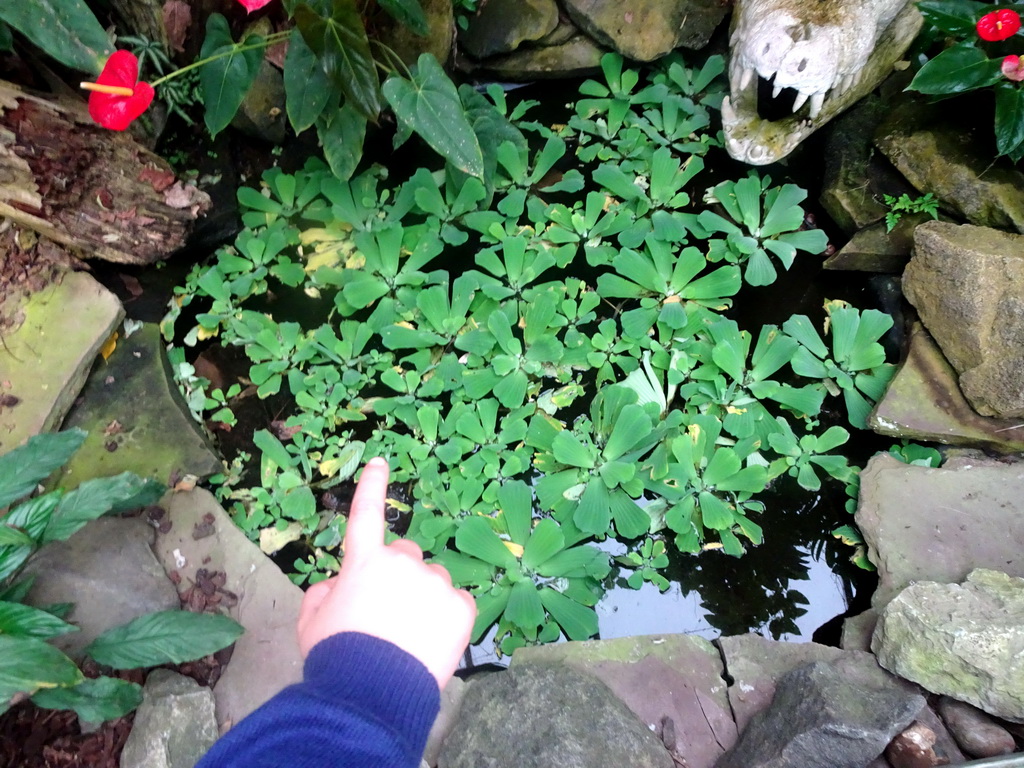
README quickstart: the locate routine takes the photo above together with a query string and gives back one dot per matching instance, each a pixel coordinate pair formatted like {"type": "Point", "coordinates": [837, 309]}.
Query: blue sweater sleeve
{"type": "Point", "coordinates": [363, 703]}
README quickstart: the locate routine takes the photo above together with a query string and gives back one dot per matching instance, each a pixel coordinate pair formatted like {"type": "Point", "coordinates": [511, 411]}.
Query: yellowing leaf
{"type": "Point", "coordinates": [734, 409]}
{"type": "Point", "coordinates": [712, 545]}
{"type": "Point", "coordinates": [515, 549]}
{"type": "Point", "coordinates": [206, 333]}
{"type": "Point", "coordinates": [330, 467]}
{"type": "Point", "coordinates": [271, 539]}
{"type": "Point", "coordinates": [109, 345]}
{"type": "Point", "coordinates": [396, 504]}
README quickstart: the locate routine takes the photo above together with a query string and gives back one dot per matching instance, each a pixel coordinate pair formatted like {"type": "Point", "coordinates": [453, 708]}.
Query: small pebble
{"type": "Point", "coordinates": [914, 748]}
{"type": "Point", "coordinates": [976, 733]}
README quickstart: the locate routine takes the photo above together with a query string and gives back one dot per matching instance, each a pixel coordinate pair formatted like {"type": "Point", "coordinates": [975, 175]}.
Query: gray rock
{"type": "Point", "coordinates": [266, 658]}
{"type": "Point", "coordinates": [576, 57]}
{"type": "Point", "coordinates": [645, 30]}
{"type": "Point", "coordinates": [924, 402]}
{"type": "Point", "coordinates": [108, 571]}
{"type": "Point", "coordinates": [451, 705]}
{"type": "Point", "coordinates": [874, 249]}
{"type": "Point", "coordinates": [501, 26]}
{"type": "Point", "coordinates": [408, 45]}
{"type": "Point", "coordinates": [262, 114]}
{"type": "Point", "coordinates": [756, 666]}
{"type": "Point", "coordinates": [977, 733]}
{"type": "Point", "coordinates": [822, 717]}
{"type": "Point", "coordinates": [546, 716]}
{"type": "Point", "coordinates": [857, 631]}
{"type": "Point", "coordinates": [174, 726]}
{"type": "Point", "coordinates": [924, 524]}
{"type": "Point", "coordinates": [960, 640]}
{"type": "Point", "coordinates": [967, 283]}
{"type": "Point", "coordinates": [47, 359]}
{"type": "Point", "coordinates": [661, 678]}
{"type": "Point", "coordinates": [937, 159]}
{"type": "Point", "coordinates": [129, 406]}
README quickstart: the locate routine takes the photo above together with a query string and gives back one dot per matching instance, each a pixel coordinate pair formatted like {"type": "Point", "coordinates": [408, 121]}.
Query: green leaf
{"type": "Point", "coordinates": [516, 502]}
{"type": "Point", "coordinates": [9, 537]}
{"type": "Point", "coordinates": [6, 38]}
{"type": "Point", "coordinates": [465, 571]}
{"type": "Point", "coordinates": [577, 621]}
{"type": "Point", "coordinates": [224, 81]}
{"type": "Point", "coordinates": [28, 664]}
{"type": "Point", "coordinates": [957, 69]}
{"type": "Point", "coordinates": [344, 50]}
{"type": "Point", "coordinates": [67, 30]}
{"type": "Point", "coordinates": [94, 700]}
{"type": "Point", "coordinates": [489, 607]}
{"type": "Point", "coordinates": [594, 511]}
{"type": "Point", "coordinates": [955, 17]}
{"type": "Point", "coordinates": [95, 498]}
{"type": "Point", "coordinates": [476, 537]}
{"type": "Point", "coordinates": [524, 608]}
{"type": "Point", "coordinates": [568, 449]}
{"type": "Point", "coordinates": [429, 104]}
{"type": "Point", "coordinates": [632, 428]}
{"type": "Point", "coordinates": [23, 468]}
{"type": "Point", "coordinates": [26, 621]}
{"type": "Point", "coordinates": [307, 88]}
{"type": "Point", "coordinates": [545, 542]}
{"type": "Point", "coordinates": [166, 637]}
{"type": "Point", "coordinates": [1009, 117]}
{"type": "Point", "coordinates": [715, 512]}
{"type": "Point", "coordinates": [407, 12]}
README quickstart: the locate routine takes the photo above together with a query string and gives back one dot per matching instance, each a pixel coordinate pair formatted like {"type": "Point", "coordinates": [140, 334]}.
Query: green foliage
{"type": "Point", "coordinates": [965, 65]}
{"type": "Point", "coordinates": [541, 353]}
{"type": "Point", "coordinates": [64, 29]}
{"type": "Point", "coordinates": [906, 204]}
{"type": "Point", "coordinates": [29, 665]}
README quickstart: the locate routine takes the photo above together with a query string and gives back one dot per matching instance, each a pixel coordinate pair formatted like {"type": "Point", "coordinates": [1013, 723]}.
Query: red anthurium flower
{"type": "Point", "coordinates": [253, 5]}
{"type": "Point", "coordinates": [117, 97]}
{"type": "Point", "coordinates": [998, 25]}
{"type": "Point", "coordinates": [1013, 68]}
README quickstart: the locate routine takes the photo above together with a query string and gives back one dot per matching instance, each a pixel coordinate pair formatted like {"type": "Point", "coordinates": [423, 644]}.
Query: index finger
{"type": "Point", "coordinates": [366, 525]}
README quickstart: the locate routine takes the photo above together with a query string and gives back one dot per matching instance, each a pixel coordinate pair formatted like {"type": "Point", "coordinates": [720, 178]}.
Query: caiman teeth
{"type": "Point", "coordinates": [801, 99]}
{"type": "Point", "coordinates": [816, 101]}
{"type": "Point", "coordinates": [776, 91]}
{"type": "Point", "coordinates": [748, 75]}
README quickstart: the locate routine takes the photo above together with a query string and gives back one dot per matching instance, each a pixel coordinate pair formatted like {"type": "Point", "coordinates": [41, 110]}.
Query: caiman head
{"type": "Point", "coordinates": [822, 55]}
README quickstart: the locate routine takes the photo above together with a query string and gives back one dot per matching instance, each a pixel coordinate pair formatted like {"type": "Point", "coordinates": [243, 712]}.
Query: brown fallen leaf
{"type": "Point", "coordinates": [113, 428]}
{"type": "Point", "coordinates": [177, 18]}
{"type": "Point", "coordinates": [158, 178]}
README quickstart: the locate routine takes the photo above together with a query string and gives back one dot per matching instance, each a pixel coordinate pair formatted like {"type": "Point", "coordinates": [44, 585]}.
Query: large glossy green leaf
{"type": "Point", "coordinates": [23, 468]}
{"type": "Point", "coordinates": [307, 88]}
{"type": "Point", "coordinates": [802, 329]}
{"type": "Point", "coordinates": [577, 621]}
{"type": "Point", "coordinates": [95, 498]}
{"type": "Point", "coordinates": [955, 17]}
{"type": "Point", "coordinates": [408, 12]}
{"type": "Point", "coordinates": [716, 513]}
{"type": "Point", "coordinates": [166, 637]}
{"type": "Point", "coordinates": [1009, 117]}
{"type": "Point", "coordinates": [341, 43]}
{"type": "Point", "coordinates": [576, 562]}
{"type": "Point", "coordinates": [224, 81]}
{"type": "Point", "coordinates": [95, 700]}
{"type": "Point", "coordinates": [26, 621]}
{"type": "Point", "coordinates": [67, 30]}
{"type": "Point", "coordinates": [524, 607]}
{"type": "Point", "coordinates": [342, 133]}
{"type": "Point", "coordinates": [30, 517]}
{"type": "Point", "coordinates": [429, 104]}
{"type": "Point", "coordinates": [28, 664]}
{"type": "Point", "coordinates": [476, 537]}
{"type": "Point", "coordinates": [11, 537]}
{"type": "Point", "coordinates": [957, 69]}
{"type": "Point", "coordinates": [630, 519]}
{"type": "Point", "coordinates": [569, 449]}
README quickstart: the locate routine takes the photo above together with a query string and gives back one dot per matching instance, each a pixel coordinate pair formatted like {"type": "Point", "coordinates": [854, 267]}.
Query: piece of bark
{"type": "Point", "coordinates": [83, 186]}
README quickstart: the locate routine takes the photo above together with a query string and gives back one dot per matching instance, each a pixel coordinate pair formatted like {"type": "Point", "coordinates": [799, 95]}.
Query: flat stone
{"type": "Point", "coordinates": [961, 640]}
{"type": "Point", "coordinates": [266, 658]}
{"type": "Point", "coordinates": [451, 704]}
{"type": "Point", "coordinates": [824, 715]}
{"type": "Point", "coordinates": [937, 158]}
{"type": "Point", "coordinates": [675, 677]}
{"type": "Point", "coordinates": [408, 45]}
{"type": "Point", "coordinates": [874, 249]}
{"type": "Point", "coordinates": [174, 726]}
{"type": "Point", "coordinates": [548, 716]}
{"type": "Point", "coordinates": [967, 284]}
{"type": "Point", "coordinates": [756, 665]}
{"type": "Point", "coordinates": [262, 113]}
{"type": "Point", "coordinates": [107, 569]}
{"type": "Point", "coordinates": [129, 407]}
{"type": "Point", "coordinates": [857, 631]}
{"type": "Point", "coordinates": [47, 359]}
{"type": "Point", "coordinates": [577, 57]}
{"type": "Point", "coordinates": [925, 524]}
{"type": "Point", "coordinates": [978, 734]}
{"type": "Point", "coordinates": [501, 26]}
{"type": "Point", "coordinates": [645, 30]}
{"type": "Point", "coordinates": [924, 402]}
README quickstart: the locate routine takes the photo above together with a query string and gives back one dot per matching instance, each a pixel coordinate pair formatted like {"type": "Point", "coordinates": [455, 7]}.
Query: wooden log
{"type": "Point", "coordinates": [96, 191]}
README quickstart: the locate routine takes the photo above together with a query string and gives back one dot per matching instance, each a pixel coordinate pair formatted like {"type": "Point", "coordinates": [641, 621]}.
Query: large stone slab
{"type": "Point", "coordinates": [44, 363]}
{"type": "Point", "coordinates": [108, 571]}
{"type": "Point", "coordinates": [659, 677]}
{"type": "Point", "coordinates": [174, 726]}
{"type": "Point", "coordinates": [756, 665]}
{"type": "Point", "coordinates": [576, 57]}
{"type": "Point", "coordinates": [937, 158]}
{"type": "Point", "coordinates": [963, 641]}
{"type": "Point", "coordinates": [548, 716]}
{"type": "Point", "coordinates": [823, 716]}
{"type": "Point", "coordinates": [925, 524]}
{"type": "Point", "coordinates": [967, 284]}
{"type": "Point", "coordinates": [501, 26]}
{"type": "Point", "coordinates": [131, 407]}
{"type": "Point", "coordinates": [645, 30]}
{"type": "Point", "coordinates": [924, 402]}
{"type": "Point", "coordinates": [266, 658]}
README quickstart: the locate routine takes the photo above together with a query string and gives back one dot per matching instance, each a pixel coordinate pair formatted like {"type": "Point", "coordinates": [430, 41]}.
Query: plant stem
{"type": "Point", "coordinates": [268, 41]}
